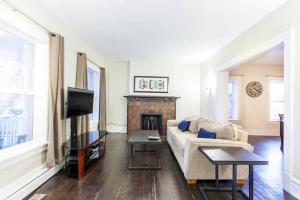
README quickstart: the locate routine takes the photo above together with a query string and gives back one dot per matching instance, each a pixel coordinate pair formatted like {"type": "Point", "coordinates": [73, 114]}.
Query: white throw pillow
{"type": "Point", "coordinates": [194, 124]}
{"type": "Point", "coordinates": [204, 122]}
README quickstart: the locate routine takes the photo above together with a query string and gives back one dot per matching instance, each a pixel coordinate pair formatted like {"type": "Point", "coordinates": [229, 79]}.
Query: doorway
{"type": "Point", "coordinates": [256, 93]}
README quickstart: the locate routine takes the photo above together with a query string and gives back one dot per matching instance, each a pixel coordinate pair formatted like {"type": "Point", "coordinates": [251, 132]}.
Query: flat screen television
{"type": "Point", "coordinates": [80, 102]}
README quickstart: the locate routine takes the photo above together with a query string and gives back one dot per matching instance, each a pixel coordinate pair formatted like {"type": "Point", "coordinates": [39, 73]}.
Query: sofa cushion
{"type": "Point", "coordinates": [194, 124]}
{"type": "Point", "coordinates": [223, 131]}
{"type": "Point", "coordinates": [206, 134]}
{"type": "Point", "coordinates": [228, 131]}
{"type": "Point", "coordinates": [179, 139]}
{"type": "Point", "coordinates": [184, 125]}
{"type": "Point", "coordinates": [203, 122]}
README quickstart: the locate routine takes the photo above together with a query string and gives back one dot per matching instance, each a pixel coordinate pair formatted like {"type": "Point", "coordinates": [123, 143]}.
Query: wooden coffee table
{"type": "Point", "coordinates": [141, 138]}
{"type": "Point", "coordinates": [230, 156]}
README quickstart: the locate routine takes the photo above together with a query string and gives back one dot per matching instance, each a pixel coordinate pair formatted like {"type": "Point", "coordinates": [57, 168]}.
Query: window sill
{"type": "Point", "coordinates": [236, 121]}
{"type": "Point", "coordinates": [273, 121]}
{"type": "Point", "coordinates": [20, 152]}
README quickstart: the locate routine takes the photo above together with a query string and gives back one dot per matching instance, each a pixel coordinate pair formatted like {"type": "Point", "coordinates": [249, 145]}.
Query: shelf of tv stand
{"type": "Point", "coordinates": [82, 156]}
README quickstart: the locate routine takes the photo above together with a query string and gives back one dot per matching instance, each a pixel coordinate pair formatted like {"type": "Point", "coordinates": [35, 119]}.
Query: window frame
{"type": "Point", "coordinates": [270, 79]}
{"type": "Point", "coordinates": [238, 98]}
{"type": "Point", "coordinates": [19, 27]}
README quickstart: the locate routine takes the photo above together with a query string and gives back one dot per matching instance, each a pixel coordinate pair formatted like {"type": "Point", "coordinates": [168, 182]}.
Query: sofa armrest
{"type": "Point", "coordinates": [193, 159]}
{"type": "Point", "coordinates": [242, 135]}
{"type": "Point", "coordinates": [172, 123]}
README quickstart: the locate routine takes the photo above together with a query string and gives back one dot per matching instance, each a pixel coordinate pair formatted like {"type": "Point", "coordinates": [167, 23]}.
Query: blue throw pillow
{"type": "Point", "coordinates": [206, 134]}
{"type": "Point", "coordinates": [184, 125]}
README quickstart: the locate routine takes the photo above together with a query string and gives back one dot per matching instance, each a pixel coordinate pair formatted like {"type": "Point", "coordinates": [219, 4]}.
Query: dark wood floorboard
{"type": "Point", "coordinates": [110, 179]}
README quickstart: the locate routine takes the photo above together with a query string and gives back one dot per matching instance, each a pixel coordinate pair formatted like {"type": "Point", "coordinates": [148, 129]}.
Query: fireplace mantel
{"type": "Point", "coordinates": [138, 105]}
{"type": "Point", "coordinates": [139, 97]}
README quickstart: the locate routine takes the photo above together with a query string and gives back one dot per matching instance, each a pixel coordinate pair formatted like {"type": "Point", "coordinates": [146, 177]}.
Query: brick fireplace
{"type": "Point", "coordinates": [150, 112]}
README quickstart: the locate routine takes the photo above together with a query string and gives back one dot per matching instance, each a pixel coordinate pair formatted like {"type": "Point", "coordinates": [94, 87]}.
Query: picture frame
{"type": "Point", "coordinates": [151, 84]}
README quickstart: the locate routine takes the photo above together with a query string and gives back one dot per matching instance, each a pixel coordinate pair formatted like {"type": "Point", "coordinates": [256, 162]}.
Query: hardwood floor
{"type": "Point", "coordinates": [110, 179]}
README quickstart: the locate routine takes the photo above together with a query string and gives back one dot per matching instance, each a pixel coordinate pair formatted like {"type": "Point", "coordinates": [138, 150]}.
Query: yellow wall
{"type": "Point", "coordinates": [254, 112]}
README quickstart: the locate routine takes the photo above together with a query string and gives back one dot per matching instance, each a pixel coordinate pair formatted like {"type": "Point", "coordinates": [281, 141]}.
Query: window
{"type": "Point", "coordinates": [94, 84]}
{"type": "Point", "coordinates": [233, 100]}
{"type": "Point", "coordinates": [24, 74]}
{"type": "Point", "coordinates": [276, 98]}
{"type": "Point", "coordinates": [16, 93]}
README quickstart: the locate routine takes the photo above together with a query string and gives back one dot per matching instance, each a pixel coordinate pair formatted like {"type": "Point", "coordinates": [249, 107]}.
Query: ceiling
{"type": "Point", "coordinates": [273, 56]}
{"type": "Point", "coordinates": [181, 31]}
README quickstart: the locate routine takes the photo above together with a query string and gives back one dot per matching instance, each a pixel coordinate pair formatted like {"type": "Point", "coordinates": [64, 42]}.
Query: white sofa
{"type": "Point", "coordinates": [193, 164]}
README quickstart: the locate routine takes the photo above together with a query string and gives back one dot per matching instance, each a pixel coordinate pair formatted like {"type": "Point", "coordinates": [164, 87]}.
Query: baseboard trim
{"type": "Point", "coordinates": [295, 188]}
{"type": "Point", "coordinates": [262, 132]}
{"type": "Point", "coordinates": [25, 185]}
{"type": "Point", "coordinates": [291, 185]}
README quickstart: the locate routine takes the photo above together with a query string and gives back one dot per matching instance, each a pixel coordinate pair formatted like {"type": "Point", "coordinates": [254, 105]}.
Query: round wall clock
{"type": "Point", "coordinates": [254, 89]}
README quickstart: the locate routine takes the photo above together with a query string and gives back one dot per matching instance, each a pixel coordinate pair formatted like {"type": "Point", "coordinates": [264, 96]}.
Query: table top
{"type": "Point", "coordinates": [231, 155]}
{"type": "Point", "coordinates": [141, 137]}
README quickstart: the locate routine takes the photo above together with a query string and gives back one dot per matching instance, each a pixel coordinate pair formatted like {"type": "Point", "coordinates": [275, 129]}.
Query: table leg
{"type": "Point", "coordinates": [251, 182]}
{"type": "Point", "coordinates": [81, 164]}
{"type": "Point", "coordinates": [217, 175]}
{"type": "Point", "coordinates": [158, 155]}
{"type": "Point", "coordinates": [135, 149]}
{"type": "Point", "coordinates": [234, 181]}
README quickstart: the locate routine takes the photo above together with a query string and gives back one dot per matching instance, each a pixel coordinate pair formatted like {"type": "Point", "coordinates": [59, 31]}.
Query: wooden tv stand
{"type": "Point", "coordinates": [81, 158]}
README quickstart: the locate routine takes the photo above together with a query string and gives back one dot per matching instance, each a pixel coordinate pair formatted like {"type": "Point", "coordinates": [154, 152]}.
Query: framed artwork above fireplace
{"type": "Point", "coordinates": [151, 84]}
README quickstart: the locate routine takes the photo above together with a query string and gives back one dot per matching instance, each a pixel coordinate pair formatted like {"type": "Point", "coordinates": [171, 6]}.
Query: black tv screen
{"type": "Point", "coordinates": [80, 102]}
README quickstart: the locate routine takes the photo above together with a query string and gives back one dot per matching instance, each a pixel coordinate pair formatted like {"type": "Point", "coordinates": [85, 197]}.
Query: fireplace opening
{"type": "Point", "coordinates": [151, 122]}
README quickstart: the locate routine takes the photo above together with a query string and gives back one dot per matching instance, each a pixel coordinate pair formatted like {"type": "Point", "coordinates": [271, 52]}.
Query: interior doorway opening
{"type": "Point", "coordinates": [256, 92]}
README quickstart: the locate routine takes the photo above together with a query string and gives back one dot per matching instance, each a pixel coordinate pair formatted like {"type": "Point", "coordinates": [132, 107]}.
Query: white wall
{"type": "Point", "coordinates": [184, 82]}
{"type": "Point", "coordinates": [278, 22]}
{"type": "Point", "coordinates": [140, 68]}
{"type": "Point", "coordinates": [12, 174]}
{"type": "Point", "coordinates": [118, 80]}
{"type": "Point", "coordinates": [187, 87]}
